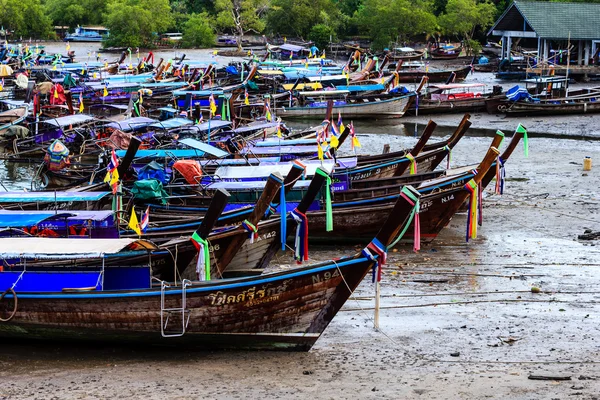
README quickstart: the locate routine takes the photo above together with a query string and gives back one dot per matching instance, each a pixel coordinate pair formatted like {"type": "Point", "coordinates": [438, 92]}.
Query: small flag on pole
{"type": "Point", "coordinates": [133, 222]}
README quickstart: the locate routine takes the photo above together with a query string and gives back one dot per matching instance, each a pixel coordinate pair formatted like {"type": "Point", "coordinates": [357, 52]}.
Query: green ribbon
{"type": "Point", "coordinates": [521, 129]}
{"type": "Point", "coordinates": [328, 207]}
{"type": "Point", "coordinates": [416, 207]}
{"type": "Point", "coordinates": [206, 255]}
{"type": "Point", "coordinates": [501, 134]}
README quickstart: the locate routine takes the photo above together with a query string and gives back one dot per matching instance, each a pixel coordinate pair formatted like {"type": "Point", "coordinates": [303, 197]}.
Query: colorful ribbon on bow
{"type": "Point", "coordinates": [203, 264]}
{"type": "Point", "coordinates": [500, 176]}
{"type": "Point", "coordinates": [373, 249]}
{"type": "Point", "coordinates": [500, 133]}
{"type": "Point", "coordinates": [328, 207]}
{"type": "Point", "coordinates": [413, 200]}
{"type": "Point", "coordinates": [301, 241]}
{"type": "Point", "coordinates": [413, 164]}
{"type": "Point", "coordinates": [283, 213]}
{"type": "Point", "coordinates": [474, 215]}
{"type": "Point", "coordinates": [251, 229]}
{"type": "Point", "coordinates": [521, 129]}
{"type": "Point", "coordinates": [449, 159]}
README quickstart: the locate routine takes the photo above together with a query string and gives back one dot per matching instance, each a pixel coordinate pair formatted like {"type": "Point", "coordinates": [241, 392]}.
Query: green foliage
{"type": "Point", "coordinates": [197, 32]}
{"type": "Point", "coordinates": [193, 6]}
{"type": "Point", "coordinates": [241, 16]}
{"type": "Point", "coordinates": [134, 23]}
{"type": "Point", "coordinates": [387, 21]}
{"type": "Point", "coordinates": [462, 17]}
{"type": "Point", "coordinates": [320, 35]}
{"type": "Point", "coordinates": [298, 17]}
{"type": "Point", "coordinates": [76, 12]}
{"type": "Point", "coordinates": [27, 18]}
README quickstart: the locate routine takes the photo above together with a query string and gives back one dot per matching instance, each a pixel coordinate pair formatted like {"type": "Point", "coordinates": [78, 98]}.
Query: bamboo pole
{"type": "Point", "coordinates": [568, 64]}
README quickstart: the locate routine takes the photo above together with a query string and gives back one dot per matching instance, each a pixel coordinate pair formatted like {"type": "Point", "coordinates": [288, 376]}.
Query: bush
{"type": "Point", "coordinates": [320, 35]}
{"type": "Point", "coordinates": [197, 32]}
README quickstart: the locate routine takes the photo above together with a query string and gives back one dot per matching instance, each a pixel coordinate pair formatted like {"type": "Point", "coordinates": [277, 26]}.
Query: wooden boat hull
{"type": "Point", "coordinates": [287, 310]}
{"type": "Point", "coordinates": [543, 108]}
{"type": "Point", "coordinates": [357, 223]}
{"type": "Point", "coordinates": [384, 108]}
{"type": "Point", "coordinates": [415, 76]}
{"type": "Point", "coordinates": [427, 106]}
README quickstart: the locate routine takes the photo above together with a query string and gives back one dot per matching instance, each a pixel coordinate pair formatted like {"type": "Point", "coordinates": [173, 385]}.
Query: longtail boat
{"type": "Point", "coordinates": [280, 310]}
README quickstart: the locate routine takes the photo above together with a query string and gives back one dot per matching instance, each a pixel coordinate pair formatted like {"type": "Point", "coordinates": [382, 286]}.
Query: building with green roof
{"type": "Point", "coordinates": [551, 22]}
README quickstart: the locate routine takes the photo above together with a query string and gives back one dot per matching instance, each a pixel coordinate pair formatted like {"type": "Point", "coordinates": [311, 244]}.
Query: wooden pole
{"type": "Point", "coordinates": [568, 65]}
{"type": "Point", "coordinates": [377, 298]}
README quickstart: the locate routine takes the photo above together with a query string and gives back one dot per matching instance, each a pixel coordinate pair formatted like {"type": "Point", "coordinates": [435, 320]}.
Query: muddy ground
{"type": "Point", "coordinates": [458, 320]}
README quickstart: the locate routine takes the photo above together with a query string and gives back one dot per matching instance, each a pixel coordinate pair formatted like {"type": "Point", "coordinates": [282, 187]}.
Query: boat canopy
{"type": "Point", "coordinates": [255, 127]}
{"type": "Point", "coordinates": [130, 124]}
{"type": "Point", "coordinates": [264, 170]}
{"type": "Point", "coordinates": [164, 153]}
{"type": "Point", "coordinates": [18, 218]}
{"type": "Point", "coordinates": [270, 72]}
{"type": "Point", "coordinates": [291, 47]}
{"type": "Point", "coordinates": [50, 197]}
{"type": "Point", "coordinates": [199, 93]}
{"type": "Point", "coordinates": [325, 78]}
{"type": "Point", "coordinates": [362, 88]}
{"type": "Point", "coordinates": [203, 147]}
{"type": "Point", "coordinates": [153, 85]}
{"type": "Point", "coordinates": [213, 124]}
{"type": "Point", "coordinates": [240, 161]}
{"type": "Point", "coordinates": [68, 120]}
{"type": "Point", "coordinates": [64, 248]}
{"type": "Point", "coordinates": [250, 185]}
{"type": "Point", "coordinates": [283, 142]}
{"type": "Point", "coordinates": [172, 123]}
{"type": "Point", "coordinates": [404, 49]}
{"type": "Point", "coordinates": [283, 149]}
{"type": "Point", "coordinates": [116, 85]}
{"type": "Point", "coordinates": [302, 86]}
{"type": "Point", "coordinates": [323, 93]}
{"type": "Point", "coordinates": [457, 86]}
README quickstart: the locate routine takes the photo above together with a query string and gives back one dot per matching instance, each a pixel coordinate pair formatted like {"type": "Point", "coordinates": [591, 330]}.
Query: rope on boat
{"type": "Point", "coordinates": [14, 311]}
{"type": "Point", "coordinates": [360, 306]}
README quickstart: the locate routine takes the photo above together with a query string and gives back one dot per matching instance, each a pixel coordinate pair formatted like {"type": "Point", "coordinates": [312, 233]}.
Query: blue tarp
{"type": "Point", "coordinates": [12, 197]}
{"type": "Point", "coordinates": [517, 93]}
{"type": "Point", "coordinates": [21, 219]}
{"type": "Point", "coordinates": [361, 88]}
{"type": "Point", "coordinates": [153, 170]}
{"type": "Point", "coordinates": [50, 281]}
{"type": "Point", "coordinates": [161, 153]}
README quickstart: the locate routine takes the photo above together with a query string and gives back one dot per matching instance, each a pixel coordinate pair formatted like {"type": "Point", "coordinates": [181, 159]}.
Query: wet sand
{"type": "Point", "coordinates": [458, 320]}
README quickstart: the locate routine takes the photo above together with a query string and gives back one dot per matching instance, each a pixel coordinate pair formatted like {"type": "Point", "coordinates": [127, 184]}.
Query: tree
{"type": "Point", "coordinates": [197, 32]}
{"type": "Point", "coordinates": [387, 21]}
{"type": "Point", "coordinates": [463, 17]}
{"type": "Point", "coordinates": [135, 23]}
{"type": "Point", "coordinates": [241, 16]}
{"type": "Point", "coordinates": [76, 12]}
{"type": "Point", "coordinates": [320, 35]}
{"type": "Point", "coordinates": [27, 18]}
{"type": "Point", "coordinates": [298, 17]}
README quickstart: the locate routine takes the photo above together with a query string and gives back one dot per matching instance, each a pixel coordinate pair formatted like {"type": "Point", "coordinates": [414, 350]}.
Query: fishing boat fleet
{"type": "Point", "coordinates": [164, 189]}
